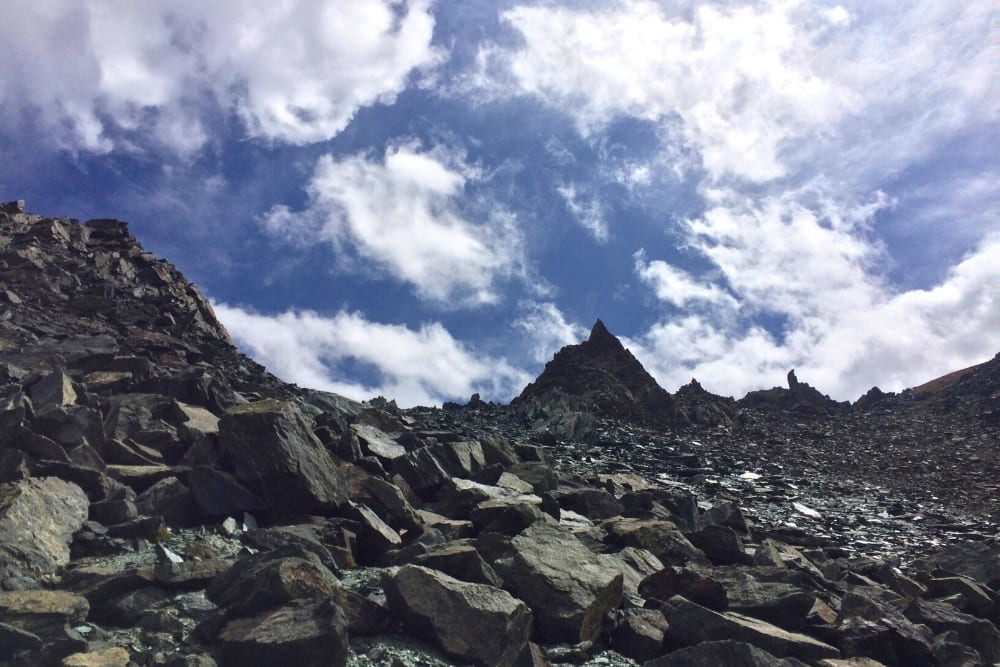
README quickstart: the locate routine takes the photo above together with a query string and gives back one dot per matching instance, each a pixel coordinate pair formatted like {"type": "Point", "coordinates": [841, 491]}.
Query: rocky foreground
{"type": "Point", "coordinates": [165, 501]}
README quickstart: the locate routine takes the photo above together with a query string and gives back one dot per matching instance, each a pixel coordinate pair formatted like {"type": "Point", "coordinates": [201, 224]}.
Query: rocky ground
{"type": "Point", "coordinates": [165, 501]}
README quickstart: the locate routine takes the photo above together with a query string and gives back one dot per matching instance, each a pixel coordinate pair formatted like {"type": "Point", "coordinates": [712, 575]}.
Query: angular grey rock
{"type": "Point", "coordinates": [275, 454]}
{"type": "Point", "coordinates": [721, 545]}
{"type": "Point", "coordinates": [472, 622]}
{"type": "Point", "coordinates": [639, 635]}
{"type": "Point", "coordinates": [40, 611]}
{"type": "Point", "coordinates": [38, 517]}
{"type": "Point", "coordinates": [595, 504]}
{"type": "Point", "coordinates": [465, 458]}
{"type": "Point", "coordinates": [375, 536]}
{"type": "Point", "coordinates": [782, 604]}
{"type": "Point", "coordinates": [461, 561]}
{"type": "Point", "coordinates": [171, 499]}
{"type": "Point", "coordinates": [566, 585]}
{"type": "Point", "coordinates": [304, 633]}
{"type": "Point", "coordinates": [663, 538]}
{"type": "Point", "coordinates": [399, 513]}
{"type": "Point", "coordinates": [423, 469]}
{"type": "Point", "coordinates": [692, 624]}
{"type": "Point", "coordinates": [721, 652]}
{"type": "Point", "coordinates": [220, 494]}
{"type": "Point", "coordinates": [969, 630]}
{"type": "Point", "coordinates": [374, 442]}
{"type": "Point", "coordinates": [270, 579]}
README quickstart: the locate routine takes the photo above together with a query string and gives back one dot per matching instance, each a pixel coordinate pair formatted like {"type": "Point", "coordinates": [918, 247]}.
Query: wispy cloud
{"type": "Point", "coordinates": [585, 210]}
{"type": "Point", "coordinates": [547, 330]}
{"type": "Point", "coordinates": [416, 366]}
{"type": "Point", "coordinates": [403, 214]}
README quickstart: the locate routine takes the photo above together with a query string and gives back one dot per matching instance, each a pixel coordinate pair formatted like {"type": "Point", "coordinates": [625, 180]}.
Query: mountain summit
{"type": "Point", "coordinates": [601, 377]}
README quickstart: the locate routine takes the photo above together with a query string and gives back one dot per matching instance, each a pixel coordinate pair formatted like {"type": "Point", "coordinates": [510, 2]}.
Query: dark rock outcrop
{"type": "Point", "coordinates": [598, 377]}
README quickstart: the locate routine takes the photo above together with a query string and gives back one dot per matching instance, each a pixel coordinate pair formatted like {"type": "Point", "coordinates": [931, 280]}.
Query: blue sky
{"type": "Point", "coordinates": [427, 199]}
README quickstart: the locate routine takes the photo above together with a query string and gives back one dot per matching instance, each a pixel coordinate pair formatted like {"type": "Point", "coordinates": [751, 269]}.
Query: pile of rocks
{"type": "Point", "coordinates": [164, 501]}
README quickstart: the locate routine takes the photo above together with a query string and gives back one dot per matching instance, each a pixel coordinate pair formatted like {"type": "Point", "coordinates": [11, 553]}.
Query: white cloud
{"type": "Point", "coordinates": [585, 210]}
{"type": "Point", "coordinates": [676, 286]}
{"type": "Point", "coordinates": [403, 214]}
{"type": "Point", "coordinates": [763, 89]}
{"type": "Point", "coordinates": [422, 366]}
{"type": "Point", "coordinates": [547, 330]}
{"type": "Point", "coordinates": [845, 328]}
{"type": "Point", "coordinates": [741, 77]}
{"type": "Point", "coordinates": [293, 71]}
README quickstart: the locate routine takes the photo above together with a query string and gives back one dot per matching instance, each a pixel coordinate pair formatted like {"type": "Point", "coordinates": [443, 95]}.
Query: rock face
{"type": "Point", "coordinates": [276, 456]}
{"type": "Point", "coordinates": [165, 501]}
{"type": "Point", "coordinates": [569, 601]}
{"type": "Point", "coordinates": [37, 520]}
{"type": "Point", "coordinates": [473, 622]}
{"type": "Point", "coordinates": [599, 377]}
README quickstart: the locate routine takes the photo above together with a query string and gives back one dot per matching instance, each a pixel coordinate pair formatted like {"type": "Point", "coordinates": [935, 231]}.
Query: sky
{"type": "Point", "coordinates": [425, 200]}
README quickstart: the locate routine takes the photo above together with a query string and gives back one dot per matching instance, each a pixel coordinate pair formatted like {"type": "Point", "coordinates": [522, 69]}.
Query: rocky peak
{"type": "Point", "coordinates": [599, 377]}
{"type": "Point", "coordinates": [800, 397]}
{"type": "Point", "coordinates": [602, 339]}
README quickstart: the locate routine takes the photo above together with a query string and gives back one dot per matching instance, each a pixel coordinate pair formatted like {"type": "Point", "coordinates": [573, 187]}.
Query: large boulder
{"type": "Point", "coordinates": [568, 588]}
{"type": "Point", "coordinates": [472, 622]}
{"type": "Point", "coordinates": [270, 579]}
{"type": "Point", "coordinates": [691, 623]}
{"type": "Point", "coordinates": [274, 452]}
{"type": "Point", "coordinates": [37, 520]}
{"type": "Point", "coordinates": [722, 652]}
{"type": "Point", "coordinates": [304, 633]}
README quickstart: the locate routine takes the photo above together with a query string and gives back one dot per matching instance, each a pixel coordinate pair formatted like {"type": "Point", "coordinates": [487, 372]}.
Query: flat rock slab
{"type": "Point", "coordinates": [567, 586]}
{"type": "Point", "coordinates": [717, 653]}
{"type": "Point", "coordinates": [691, 624]}
{"type": "Point", "coordinates": [275, 453]}
{"type": "Point", "coordinates": [376, 442]}
{"type": "Point", "coordinates": [38, 610]}
{"type": "Point", "coordinates": [270, 579]}
{"type": "Point", "coordinates": [37, 520]}
{"type": "Point", "coordinates": [304, 633]}
{"type": "Point", "coordinates": [475, 622]}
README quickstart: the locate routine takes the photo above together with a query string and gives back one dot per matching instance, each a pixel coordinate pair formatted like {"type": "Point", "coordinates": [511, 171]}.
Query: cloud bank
{"type": "Point", "coordinates": [416, 366]}
{"type": "Point", "coordinates": [105, 76]}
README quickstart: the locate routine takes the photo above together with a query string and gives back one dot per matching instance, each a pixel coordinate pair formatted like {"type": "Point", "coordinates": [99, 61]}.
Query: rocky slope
{"type": "Point", "coordinates": [165, 501]}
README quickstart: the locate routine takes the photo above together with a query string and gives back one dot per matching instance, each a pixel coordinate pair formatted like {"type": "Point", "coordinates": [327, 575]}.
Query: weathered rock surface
{"type": "Point", "coordinates": [599, 377]}
{"type": "Point", "coordinates": [721, 652]}
{"type": "Point", "coordinates": [473, 622]}
{"type": "Point", "coordinates": [276, 455]}
{"type": "Point", "coordinates": [305, 633]}
{"type": "Point", "coordinates": [37, 520]}
{"type": "Point", "coordinates": [692, 624]}
{"type": "Point", "coordinates": [568, 601]}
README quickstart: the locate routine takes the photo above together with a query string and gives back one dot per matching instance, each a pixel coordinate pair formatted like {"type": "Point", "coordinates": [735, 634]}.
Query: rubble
{"type": "Point", "coordinates": [165, 501]}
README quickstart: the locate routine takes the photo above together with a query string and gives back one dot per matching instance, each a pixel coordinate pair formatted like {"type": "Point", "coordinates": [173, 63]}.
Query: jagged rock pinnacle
{"type": "Point", "coordinates": [601, 377]}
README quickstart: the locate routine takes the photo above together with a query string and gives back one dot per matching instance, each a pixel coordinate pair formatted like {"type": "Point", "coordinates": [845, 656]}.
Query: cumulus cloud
{"type": "Point", "coordinates": [415, 366]}
{"type": "Point", "coordinates": [293, 72]}
{"type": "Point", "coordinates": [403, 214]}
{"type": "Point", "coordinates": [844, 326]}
{"type": "Point", "coordinates": [761, 88]}
{"type": "Point", "coordinates": [740, 76]}
{"type": "Point", "coordinates": [677, 286]}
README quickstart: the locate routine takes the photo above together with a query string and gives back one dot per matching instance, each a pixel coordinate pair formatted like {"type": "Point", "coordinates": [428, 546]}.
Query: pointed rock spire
{"type": "Point", "coordinates": [603, 378]}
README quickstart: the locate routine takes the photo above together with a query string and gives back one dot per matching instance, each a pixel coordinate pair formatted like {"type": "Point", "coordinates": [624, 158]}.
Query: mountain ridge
{"type": "Point", "coordinates": [164, 500]}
